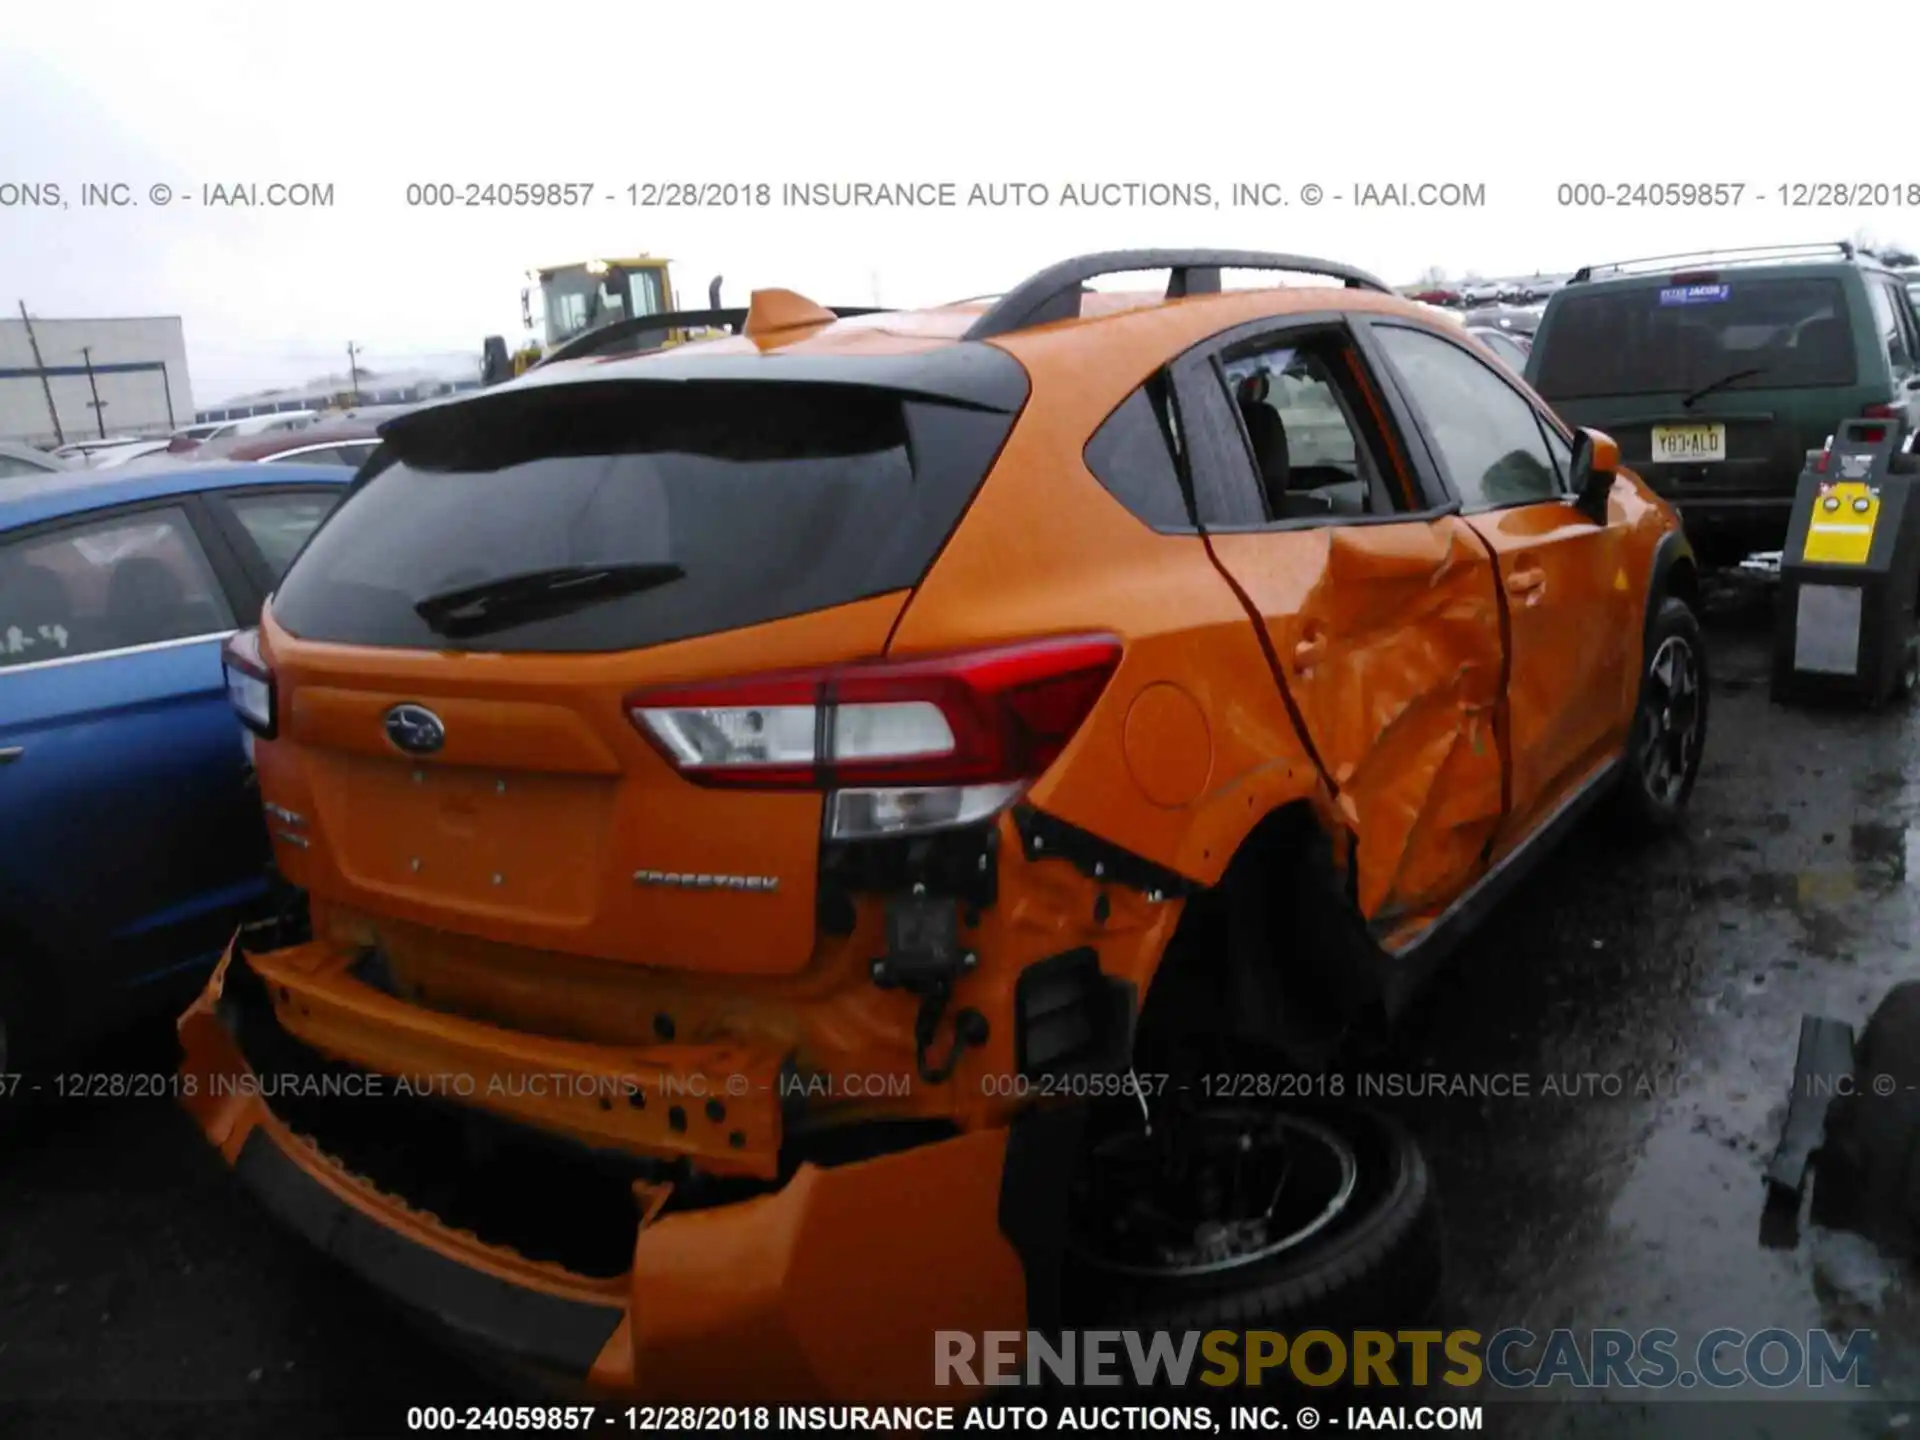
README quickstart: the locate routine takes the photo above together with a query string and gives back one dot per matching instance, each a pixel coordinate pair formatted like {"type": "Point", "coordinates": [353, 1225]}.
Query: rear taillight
{"type": "Point", "coordinates": [901, 745]}
{"type": "Point", "coordinates": [249, 682]}
{"type": "Point", "coordinates": [1881, 412]}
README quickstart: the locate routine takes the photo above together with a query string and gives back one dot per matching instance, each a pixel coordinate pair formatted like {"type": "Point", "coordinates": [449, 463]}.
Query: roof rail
{"type": "Point", "coordinates": [1746, 255]}
{"type": "Point", "coordinates": [610, 337]}
{"type": "Point", "coordinates": [1054, 293]}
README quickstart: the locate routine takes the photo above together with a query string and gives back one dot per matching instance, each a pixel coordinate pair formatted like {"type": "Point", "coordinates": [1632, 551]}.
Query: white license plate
{"type": "Point", "coordinates": [1682, 443]}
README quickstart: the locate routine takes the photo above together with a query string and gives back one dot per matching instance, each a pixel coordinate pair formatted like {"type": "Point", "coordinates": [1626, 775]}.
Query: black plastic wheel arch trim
{"type": "Point", "coordinates": [1043, 837]}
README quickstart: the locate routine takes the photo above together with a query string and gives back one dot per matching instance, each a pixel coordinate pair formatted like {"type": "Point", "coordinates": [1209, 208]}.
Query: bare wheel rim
{"type": "Point", "coordinates": [1669, 739]}
{"type": "Point", "coordinates": [1276, 1182]}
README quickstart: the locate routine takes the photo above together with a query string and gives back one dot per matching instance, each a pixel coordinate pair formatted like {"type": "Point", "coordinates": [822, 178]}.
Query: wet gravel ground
{"type": "Point", "coordinates": [1647, 1001]}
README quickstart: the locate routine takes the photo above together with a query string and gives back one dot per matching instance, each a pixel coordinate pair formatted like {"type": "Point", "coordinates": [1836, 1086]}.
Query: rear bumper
{"type": "Point", "coordinates": [828, 1286]}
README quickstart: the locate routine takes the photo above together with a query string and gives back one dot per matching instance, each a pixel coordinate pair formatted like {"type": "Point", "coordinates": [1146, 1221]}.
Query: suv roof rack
{"type": "Point", "coordinates": [1054, 293]}
{"type": "Point", "coordinates": [1745, 255]}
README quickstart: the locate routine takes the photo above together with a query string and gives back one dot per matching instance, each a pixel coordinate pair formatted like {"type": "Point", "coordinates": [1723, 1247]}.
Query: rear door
{"type": "Point", "coordinates": [1379, 607]}
{"type": "Point", "coordinates": [1572, 616]}
{"type": "Point", "coordinates": [130, 834]}
{"type": "Point", "coordinates": [763, 526]}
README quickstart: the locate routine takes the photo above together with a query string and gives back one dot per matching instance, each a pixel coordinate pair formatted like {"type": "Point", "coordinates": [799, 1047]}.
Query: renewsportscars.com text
{"type": "Point", "coordinates": [1512, 1359]}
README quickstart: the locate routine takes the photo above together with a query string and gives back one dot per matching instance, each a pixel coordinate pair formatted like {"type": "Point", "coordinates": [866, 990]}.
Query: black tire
{"type": "Point", "coordinates": [1379, 1266]}
{"type": "Point", "coordinates": [1867, 1175]}
{"type": "Point", "coordinates": [1650, 800]}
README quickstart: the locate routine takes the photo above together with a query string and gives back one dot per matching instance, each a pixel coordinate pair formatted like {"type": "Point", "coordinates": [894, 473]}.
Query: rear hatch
{"type": "Point", "coordinates": [1715, 386]}
{"type": "Point", "coordinates": [461, 651]}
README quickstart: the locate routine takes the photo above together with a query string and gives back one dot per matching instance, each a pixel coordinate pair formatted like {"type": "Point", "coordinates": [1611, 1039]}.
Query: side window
{"type": "Point", "coordinates": [1308, 449]}
{"type": "Point", "coordinates": [1485, 431]}
{"type": "Point", "coordinates": [1132, 454]}
{"type": "Point", "coordinates": [10, 468]}
{"type": "Point", "coordinates": [132, 580]}
{"type": "Point", "coordinates": [1887, 322]}
{"type": "Point", "coordinates": [279, 524]}
{"type": "Point", "coordinates": [1903, 345]}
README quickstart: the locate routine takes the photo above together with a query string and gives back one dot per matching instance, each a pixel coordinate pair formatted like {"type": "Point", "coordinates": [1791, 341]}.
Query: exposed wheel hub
{"type": "Point", "coordinates": [1210, 1190]}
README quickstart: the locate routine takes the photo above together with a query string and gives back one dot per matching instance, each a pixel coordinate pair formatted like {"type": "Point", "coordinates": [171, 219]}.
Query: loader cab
{"type": "Point", "coordinates": [579, 298]}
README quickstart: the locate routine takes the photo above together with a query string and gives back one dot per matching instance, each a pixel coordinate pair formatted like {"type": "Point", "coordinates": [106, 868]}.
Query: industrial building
{"type": "Point", "coordinates": [68, 379]}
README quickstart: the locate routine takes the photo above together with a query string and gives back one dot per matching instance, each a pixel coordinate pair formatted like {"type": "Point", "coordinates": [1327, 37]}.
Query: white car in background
{"type": "Point", "coordinates": [19, 461]}
{"type": "Point", "coordinates": [248, 426]}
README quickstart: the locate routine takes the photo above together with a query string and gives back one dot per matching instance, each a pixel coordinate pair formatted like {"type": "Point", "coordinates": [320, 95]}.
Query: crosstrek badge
{"type": "Point", "coordinates": [1695, 294]}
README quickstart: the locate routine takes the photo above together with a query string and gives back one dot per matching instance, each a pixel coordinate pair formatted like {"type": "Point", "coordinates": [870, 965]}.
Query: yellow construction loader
{"type": "Point", "coordinates": [588, 295]}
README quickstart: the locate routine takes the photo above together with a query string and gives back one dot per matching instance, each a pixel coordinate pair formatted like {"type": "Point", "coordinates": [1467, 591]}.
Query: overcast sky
{"type": "Point", "coordinates": [370, 98]}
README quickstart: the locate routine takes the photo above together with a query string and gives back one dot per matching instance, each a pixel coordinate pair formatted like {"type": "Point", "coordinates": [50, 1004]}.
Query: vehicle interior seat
{"type": "Point", "coordinates": [36, 616]}
{"type": "Point", "coordinates": [147, 603]}
{"type": "Point", "coordinates": [1267, 433]}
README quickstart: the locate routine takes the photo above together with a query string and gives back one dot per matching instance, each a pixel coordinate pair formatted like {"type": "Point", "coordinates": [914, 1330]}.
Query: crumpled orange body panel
{"type": "Point", "coordinates": [1389, 640]}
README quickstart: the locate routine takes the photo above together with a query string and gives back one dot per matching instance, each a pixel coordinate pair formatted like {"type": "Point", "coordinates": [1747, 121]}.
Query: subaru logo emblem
{"type": "Point", "coordinates": [415, 729]}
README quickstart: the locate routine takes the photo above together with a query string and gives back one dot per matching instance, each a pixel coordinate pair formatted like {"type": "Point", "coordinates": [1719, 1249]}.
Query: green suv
{"type": "Point", "coordinates": [1717, 372]}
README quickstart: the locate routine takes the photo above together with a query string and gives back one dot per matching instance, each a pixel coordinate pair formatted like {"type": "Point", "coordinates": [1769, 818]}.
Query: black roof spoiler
{"type": "Point", "coordinates": [612, 337]}
{"type": "Point", "coordinates": [1054, 293]}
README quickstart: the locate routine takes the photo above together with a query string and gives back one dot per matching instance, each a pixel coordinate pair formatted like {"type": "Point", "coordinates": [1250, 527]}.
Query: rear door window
{"type": "Point", "coordinates": [139, 579]}
{"type": "Point", "coordinates": [735, 502]}
{"type": "Point", "coordinates": [1660, 338]}
{"type": "Point", "coordinates": [279, 523]}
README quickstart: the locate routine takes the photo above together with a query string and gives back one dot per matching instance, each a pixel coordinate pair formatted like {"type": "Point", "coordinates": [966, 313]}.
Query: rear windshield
{"type": "Point", "coordinates": [764, 500]}
{"type": "Point", "coordinates": [1645, 340]}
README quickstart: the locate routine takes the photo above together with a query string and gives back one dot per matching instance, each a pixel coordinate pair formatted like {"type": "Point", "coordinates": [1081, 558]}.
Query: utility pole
{"type": "Point", "coordinates": [353, 370]}
{"type": "Point", "coordinates": [99, 409]}
{"type": "Point", "coordinates": [46, 383]}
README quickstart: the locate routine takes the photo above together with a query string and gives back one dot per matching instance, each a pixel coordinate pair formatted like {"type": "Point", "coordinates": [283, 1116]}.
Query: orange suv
{"type": "Point", "coordinates": [877, 825]}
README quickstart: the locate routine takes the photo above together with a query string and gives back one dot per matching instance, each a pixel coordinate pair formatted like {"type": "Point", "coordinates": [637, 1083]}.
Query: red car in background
{"type": "Point", "coordinates": [346, 439]}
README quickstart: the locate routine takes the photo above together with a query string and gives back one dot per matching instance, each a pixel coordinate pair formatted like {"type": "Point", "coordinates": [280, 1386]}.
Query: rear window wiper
{"type": "Point", "coordinates": [1721, 384]}
{"type": "Point", "coordinates": [536, 595]}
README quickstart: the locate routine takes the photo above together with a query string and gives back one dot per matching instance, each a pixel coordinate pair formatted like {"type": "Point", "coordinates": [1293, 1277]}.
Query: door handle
{"type": "Point", "coordinates": [11, 753]}
{"type": "Point", "coordinates": [1526, 582]}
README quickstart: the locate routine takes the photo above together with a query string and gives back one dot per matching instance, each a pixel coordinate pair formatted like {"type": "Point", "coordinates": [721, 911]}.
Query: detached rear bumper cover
{"type": "Point", "coordinates": [829, 1287]}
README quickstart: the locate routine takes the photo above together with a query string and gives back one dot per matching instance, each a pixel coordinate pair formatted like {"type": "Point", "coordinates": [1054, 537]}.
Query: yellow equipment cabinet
{"type": "Point", "coordinates": [1850, 575]}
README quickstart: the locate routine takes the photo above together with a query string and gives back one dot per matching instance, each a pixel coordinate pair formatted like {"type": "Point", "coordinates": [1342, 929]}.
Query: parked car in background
{"type": "Point", "coordinates": [22, 460]}
{"type": "Point", "coordinates": [82, 452]}
{"type": "Point", "coordinates": [1520, 320]}
{"type": "Point", "coordinates": [350, 439]}
{"type": "Point", "coordinates": [259, 425]}
{"type": "Point", "coordinates": [1069, 684]}
{"type": "Point", "coordinates": [1716, 372]}
{"type": "Point", "coordinates": [127, 454]}
{"type": "Point", "coordinates": [131, 843]}
{"type": "Point", "coordinates": [1509, 346]}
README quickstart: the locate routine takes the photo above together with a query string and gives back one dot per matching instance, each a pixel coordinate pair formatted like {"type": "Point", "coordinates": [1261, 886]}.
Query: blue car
{"type": "Point", "coordinates": [131, 840]}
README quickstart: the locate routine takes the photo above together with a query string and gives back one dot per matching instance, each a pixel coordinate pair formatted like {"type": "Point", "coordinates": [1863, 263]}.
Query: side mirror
{"type": "Point", "coordinates": [1596, 458]}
